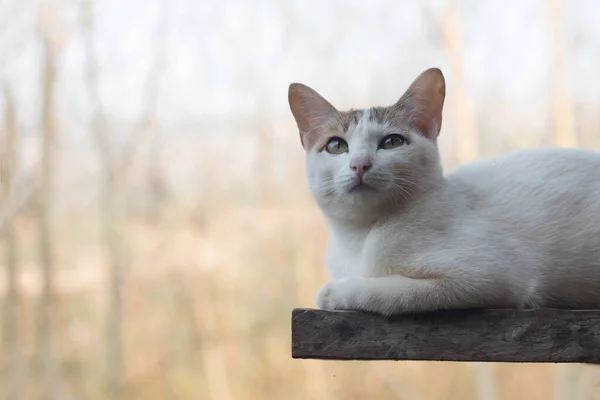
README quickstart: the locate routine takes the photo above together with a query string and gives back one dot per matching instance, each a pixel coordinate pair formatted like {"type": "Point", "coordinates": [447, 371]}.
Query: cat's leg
{"type": "Point", "coordinates": [397, 294]}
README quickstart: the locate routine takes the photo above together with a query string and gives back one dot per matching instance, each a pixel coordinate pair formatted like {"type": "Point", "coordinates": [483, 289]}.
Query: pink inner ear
{"type": "Point", "coordinates": [311, 111]}
{"type": "Point", "coordinates": [423, 102]}
{"type": "Point", "coordinates": [425, 120]}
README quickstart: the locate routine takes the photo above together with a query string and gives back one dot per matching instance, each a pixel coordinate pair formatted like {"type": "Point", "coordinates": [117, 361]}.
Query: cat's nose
{"type": "Point", "coordinates": [360, 167]}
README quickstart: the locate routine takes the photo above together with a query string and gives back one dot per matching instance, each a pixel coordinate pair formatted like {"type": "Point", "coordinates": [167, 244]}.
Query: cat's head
{"type": "Point", "coordinates": [359, 161]}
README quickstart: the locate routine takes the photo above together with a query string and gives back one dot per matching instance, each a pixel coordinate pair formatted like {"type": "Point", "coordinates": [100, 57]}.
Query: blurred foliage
{"type": "Point", "coordinates": [178, 177]}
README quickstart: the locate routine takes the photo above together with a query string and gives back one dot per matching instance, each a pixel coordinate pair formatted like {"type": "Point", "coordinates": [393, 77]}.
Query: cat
{"type": "Point", "coordinates": [521, 230]}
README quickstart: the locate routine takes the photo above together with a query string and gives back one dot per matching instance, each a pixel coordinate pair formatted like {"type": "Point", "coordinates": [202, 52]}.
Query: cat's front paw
{"type": "Point", "coordinates": [333, 295]}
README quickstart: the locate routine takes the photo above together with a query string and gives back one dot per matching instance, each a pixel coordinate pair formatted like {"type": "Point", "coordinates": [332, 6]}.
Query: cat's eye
{"type": "Point", "coordinates": [392, 141]}
{"type": "Point", "coordinates": [336, 146]}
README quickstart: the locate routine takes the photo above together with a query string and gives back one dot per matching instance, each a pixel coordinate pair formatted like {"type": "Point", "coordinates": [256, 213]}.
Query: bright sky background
{"type": "Point", "coordinates": [232, 60]}
{"type": "Point", "coordinates": [238, 56]}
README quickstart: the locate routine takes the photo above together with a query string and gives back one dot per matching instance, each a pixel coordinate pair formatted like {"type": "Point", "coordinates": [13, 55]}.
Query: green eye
{"type": "Point", "coordinates": [336, 146]}
{"type": "Point", "coordinates": [391, 142]}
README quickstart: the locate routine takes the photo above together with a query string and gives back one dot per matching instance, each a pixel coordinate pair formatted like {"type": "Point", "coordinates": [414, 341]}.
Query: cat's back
{"type": "Point", "coordinates": [536, 192]}
{"type": "Point", "coordinates": [546, 202]}
{"type": "Point", "coordinates": [533, 171]}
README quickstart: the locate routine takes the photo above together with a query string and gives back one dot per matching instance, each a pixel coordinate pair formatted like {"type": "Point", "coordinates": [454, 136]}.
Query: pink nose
{"type": "Point", "coordinates": [361, 167]}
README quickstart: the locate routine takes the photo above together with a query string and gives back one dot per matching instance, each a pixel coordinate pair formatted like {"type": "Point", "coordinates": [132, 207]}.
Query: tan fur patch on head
{"type": "Point", "coordinates": [346, 121]}
{"type": "Point", "coordinates": [349, 119]}
{"type": "Point", "coordinates": [387, 116]}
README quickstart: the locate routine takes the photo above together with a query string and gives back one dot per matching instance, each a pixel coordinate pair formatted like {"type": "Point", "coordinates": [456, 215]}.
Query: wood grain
{"type": "Point", "coordinates": [540, 335]}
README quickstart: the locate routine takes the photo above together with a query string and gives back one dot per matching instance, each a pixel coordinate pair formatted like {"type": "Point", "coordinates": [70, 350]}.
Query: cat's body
{"type": "Point", "coordinates": [520, 230]}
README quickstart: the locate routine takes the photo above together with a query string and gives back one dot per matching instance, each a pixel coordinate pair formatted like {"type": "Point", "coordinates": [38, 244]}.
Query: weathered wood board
{"type": "Point", "coordinates": [539, 335]}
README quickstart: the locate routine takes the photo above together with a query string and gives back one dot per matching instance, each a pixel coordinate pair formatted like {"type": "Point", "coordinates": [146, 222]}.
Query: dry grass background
{"type": "Point", "coordinates": [174, 272]}
{"type": "Point", "coordinates": [206, 311]}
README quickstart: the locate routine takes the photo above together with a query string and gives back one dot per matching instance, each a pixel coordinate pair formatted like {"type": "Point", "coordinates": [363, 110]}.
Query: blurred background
{"type": "Point", "coordinates": [155, 225]}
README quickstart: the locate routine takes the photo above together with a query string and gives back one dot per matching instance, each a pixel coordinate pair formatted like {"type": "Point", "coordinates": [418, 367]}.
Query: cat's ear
{"type": "Point", "coordinates": [311, 111]}
{"type": "Point", "coordinates": [422, 103]}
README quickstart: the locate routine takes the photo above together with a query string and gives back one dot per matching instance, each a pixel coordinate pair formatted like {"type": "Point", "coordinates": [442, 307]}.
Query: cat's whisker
{"type": "Point", "coordinates": [399, 192]}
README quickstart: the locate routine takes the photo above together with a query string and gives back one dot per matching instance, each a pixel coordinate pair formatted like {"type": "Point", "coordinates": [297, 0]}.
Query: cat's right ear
{"type": "Point", "coordinates": [311, 111]}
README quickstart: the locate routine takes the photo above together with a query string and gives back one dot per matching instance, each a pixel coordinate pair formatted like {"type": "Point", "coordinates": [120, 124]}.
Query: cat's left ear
{"type": "Point", "coordinates": [311, 111]}
{"type": "Point", "coordinates": [421, 105]}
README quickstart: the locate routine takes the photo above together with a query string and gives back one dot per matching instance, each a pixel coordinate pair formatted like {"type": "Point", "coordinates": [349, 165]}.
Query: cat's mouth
{"type": "Point", "coordinates": [361, 187]}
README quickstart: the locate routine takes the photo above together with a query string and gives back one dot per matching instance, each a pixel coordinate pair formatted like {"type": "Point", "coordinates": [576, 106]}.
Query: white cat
{"type": "Point", "coordinates": [520, 230]}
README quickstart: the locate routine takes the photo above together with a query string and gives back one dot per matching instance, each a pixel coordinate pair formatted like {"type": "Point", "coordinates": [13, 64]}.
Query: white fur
{"type": "Point", "coordinates": [520, 230]}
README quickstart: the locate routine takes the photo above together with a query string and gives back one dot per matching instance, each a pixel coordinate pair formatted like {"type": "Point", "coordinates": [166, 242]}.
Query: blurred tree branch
{"type": "Point", "coordinates": [146, 128]}
{"type": "Point", "coordinates": [151, 91]}
{"type": "Point", "coordinates": [110, 217]}
{"type": "Point", "coordinates": [14, 360]}
{"type": "Point", "coordinates": [116, 166]}
{"type": "Point", "coordinates": [49, 365]}
{"type": "Point", "coordinates": [466, 126]}
{"type": "Point", "coordinates": [564, 119]}
{"type": "Point", "coordinates": [17, 201]}
{"type": "Point", "coordinates": [53, 37]}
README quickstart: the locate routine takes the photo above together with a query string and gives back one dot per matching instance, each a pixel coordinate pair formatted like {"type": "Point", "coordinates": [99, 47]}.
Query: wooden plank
{"type": "Point", "coordinates": [540, 335]}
